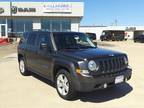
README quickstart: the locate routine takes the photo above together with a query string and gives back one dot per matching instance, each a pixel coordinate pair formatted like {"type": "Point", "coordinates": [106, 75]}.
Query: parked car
{"type": "Point", "coordinates": [71, 61]}
{"type": "Point", "coordinates": [139, 38]}
{"type": "Point", "coordinates": [106, 38]}
{"type": "Point", "coordinates": [112, 35]}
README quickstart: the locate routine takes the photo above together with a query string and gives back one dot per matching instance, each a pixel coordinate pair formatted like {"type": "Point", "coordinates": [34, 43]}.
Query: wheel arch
{"type": "Point", "coordinates": [20, 56]}
{"type": "Point", "coordinates": [58, 65]}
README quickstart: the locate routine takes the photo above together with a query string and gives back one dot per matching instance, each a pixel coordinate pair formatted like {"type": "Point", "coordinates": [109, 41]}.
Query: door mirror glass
{"type": "Point", "coordinates": [43, 46]}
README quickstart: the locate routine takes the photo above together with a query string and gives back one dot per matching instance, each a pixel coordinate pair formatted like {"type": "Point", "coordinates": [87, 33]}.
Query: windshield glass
{"type": "Point", "coordinates": [72, 41]}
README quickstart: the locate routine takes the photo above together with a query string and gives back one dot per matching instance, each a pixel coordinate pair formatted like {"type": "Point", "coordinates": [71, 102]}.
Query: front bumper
{"type": "Point", "coordinates": [87, 84]}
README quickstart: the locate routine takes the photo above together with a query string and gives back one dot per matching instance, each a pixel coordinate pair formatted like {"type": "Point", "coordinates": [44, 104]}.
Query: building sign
{"type": "Point", "coordinates": [1, 10]}
{"type": "Point", "coordinates": [16, 9]}
{"type": "Point", "coordinates": [57, 8]}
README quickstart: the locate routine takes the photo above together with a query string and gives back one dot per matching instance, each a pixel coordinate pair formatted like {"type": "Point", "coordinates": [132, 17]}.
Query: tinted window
{"type": "Point", "coordinates": [18, 26]}
{"type": "Point", "coordinates": [56, 25]}
{"type": "Point", "coordinates": [32, 39]}
{"type": "Point", "coordinates": [66, 25]}
{"type": "Point", "coordinates": [45, 24]}
{"type": "Point", "coordinates": [2, 21]}
{"type": "Point", "coordinates": [72, 41]}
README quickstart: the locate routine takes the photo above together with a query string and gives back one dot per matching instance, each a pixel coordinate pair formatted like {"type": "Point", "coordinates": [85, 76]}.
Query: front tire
{"type": "Point", "coordinates": [22, 67]}
{"type": "Point", "coordinates": [64, 85]}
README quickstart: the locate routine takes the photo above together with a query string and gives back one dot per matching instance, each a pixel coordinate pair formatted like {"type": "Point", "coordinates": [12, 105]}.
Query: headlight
{"type": "Point", "coordinates": [126, 60]}
{"type": "Point", "coordinates": [93, 66]}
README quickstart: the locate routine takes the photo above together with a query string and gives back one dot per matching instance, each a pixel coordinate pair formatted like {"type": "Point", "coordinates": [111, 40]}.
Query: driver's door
{"type": "Point", "coordinates": [44, 54]}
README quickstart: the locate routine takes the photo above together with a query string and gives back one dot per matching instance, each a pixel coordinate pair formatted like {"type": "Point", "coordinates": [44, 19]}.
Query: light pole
{"type": "Point", "coordinates": [11, 17]}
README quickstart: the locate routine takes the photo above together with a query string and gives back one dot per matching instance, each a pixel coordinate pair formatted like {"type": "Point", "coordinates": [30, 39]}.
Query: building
{"type": "Point", "coordinates": [19, 17]}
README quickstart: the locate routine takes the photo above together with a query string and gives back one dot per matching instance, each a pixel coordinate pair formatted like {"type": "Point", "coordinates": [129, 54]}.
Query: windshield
{"type": "Point", "coordinates": [72, 41]}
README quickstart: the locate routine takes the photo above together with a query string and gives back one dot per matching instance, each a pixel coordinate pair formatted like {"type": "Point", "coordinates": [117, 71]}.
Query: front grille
{"type": "Point", "coordinates": [110, 65]}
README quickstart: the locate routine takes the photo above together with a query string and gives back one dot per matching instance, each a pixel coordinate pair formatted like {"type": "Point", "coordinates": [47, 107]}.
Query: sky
{"type": "Point", "coordinates": [109, 12]}
{"type": "Point", "coordinates": [105, 12]}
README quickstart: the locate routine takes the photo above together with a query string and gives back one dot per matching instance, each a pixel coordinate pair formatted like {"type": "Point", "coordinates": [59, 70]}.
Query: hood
{"type": "Point", "coordinates": [89, 53]}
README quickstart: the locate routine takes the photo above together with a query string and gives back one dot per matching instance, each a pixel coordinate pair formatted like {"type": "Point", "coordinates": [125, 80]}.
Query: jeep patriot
{"type": "Point", "coordinates": [71, 61]}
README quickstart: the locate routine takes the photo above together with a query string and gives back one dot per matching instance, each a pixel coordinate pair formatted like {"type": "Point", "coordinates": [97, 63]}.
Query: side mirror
{"type": "Point", "coordinates": [43, 45]}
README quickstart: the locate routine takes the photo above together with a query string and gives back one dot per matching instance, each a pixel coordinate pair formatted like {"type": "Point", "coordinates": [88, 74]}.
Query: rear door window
{"type": "Point", "coordinates": [32, 39]}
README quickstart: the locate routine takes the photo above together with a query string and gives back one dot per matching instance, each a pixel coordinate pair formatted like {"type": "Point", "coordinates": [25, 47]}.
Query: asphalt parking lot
{"type": "Point", "coordinates": [33, 91]}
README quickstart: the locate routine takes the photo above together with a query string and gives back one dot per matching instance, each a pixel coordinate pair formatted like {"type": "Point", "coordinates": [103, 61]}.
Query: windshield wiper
{"type": "Point", "coordinates": [72, 47]}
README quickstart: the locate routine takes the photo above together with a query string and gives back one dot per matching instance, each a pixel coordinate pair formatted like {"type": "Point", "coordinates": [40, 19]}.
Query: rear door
{"type": "Point", "coordinates": [44, 54]}
{"type": "Point", "coordinates": [31, 50]}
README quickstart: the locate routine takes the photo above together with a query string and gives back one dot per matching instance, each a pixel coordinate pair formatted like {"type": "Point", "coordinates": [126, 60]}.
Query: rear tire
{"type": "Point", "coordinates": [64, 85]}
{"type": "Point", "coordinates": [22, 67]}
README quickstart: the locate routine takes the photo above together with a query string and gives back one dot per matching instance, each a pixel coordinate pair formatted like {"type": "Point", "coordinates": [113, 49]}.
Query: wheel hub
{"type": "Point", "coordinates": [62, 84]}
{"type": "Point", "coordinates": [22, 66]}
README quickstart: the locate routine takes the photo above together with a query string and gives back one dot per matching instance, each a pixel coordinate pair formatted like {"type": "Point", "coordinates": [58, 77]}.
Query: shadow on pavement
{"type": "Point", "coordinates": [97, 96]}
{"type": "Point", "coordinates": [106, 94]}
{"type": "Point", "coordinates": [43, 80]}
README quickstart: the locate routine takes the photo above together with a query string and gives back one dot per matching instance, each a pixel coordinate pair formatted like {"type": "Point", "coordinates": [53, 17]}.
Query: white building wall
{"type": "Point", "coordinates": [129, 34]}
{"type": "Point", "coordinates": [97, 30]}
{"type": "Point", "coordinates": [75, 25]}
{"type": "Point", "coordinates": [139, 27]}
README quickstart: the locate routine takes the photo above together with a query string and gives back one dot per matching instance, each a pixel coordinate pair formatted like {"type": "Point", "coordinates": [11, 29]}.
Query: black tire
{"type": "Point", "coordinates": [24, 72]}
{"type": "Point", "coordinates": [71, 92]}
{"type": "Point", "coordinates": [101, 39]}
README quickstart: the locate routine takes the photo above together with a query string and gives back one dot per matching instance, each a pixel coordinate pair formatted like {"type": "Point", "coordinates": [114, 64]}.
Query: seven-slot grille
{"type": "Point", "coordinates": [113, 64]}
